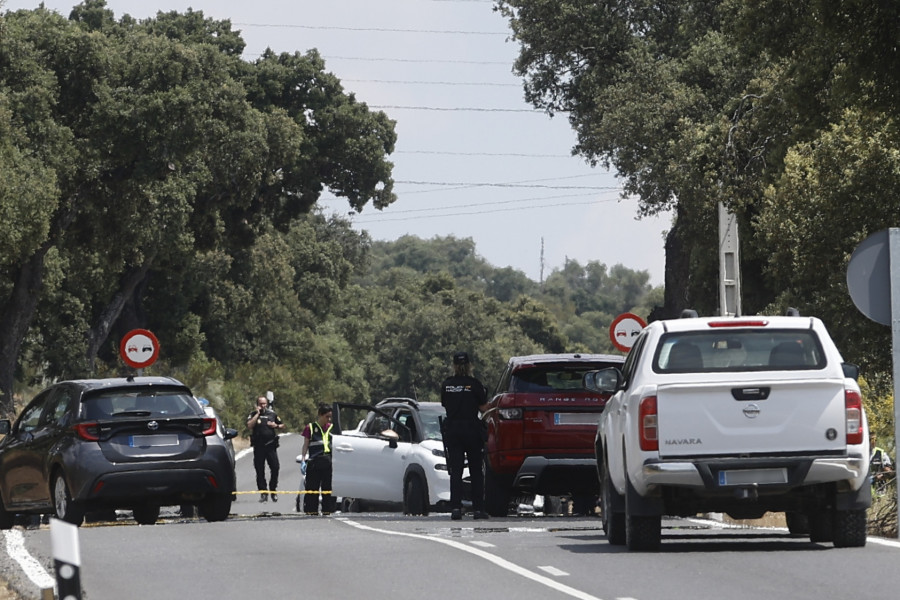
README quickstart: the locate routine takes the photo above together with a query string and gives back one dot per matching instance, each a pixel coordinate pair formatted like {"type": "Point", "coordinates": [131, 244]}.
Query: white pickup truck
{"type": "Point", "coordinates": [740, 415]}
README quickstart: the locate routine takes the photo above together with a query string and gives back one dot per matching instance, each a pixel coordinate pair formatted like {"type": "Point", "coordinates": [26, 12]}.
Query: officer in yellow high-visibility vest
{"type": "Point", "coordinates": [317, 446]}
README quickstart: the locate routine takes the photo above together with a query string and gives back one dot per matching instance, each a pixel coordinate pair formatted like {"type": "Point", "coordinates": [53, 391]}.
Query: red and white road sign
{"type": "Point", "coordinates": [624, 330]}
{"type": "Point", "coordinates": [139, 348]}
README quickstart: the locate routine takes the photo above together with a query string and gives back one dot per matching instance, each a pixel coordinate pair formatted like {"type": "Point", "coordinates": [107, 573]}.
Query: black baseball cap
{"type": "Point", "coordinates": [461, 358]}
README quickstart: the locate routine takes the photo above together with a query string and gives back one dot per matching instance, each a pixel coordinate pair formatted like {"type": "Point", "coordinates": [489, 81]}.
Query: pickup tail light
{"type": "Point", "coordinates": [649, 425]}
{"type": "Point", "coordinates": [89, 432]}
{"type": "Point", "coordinates": [853, 412]}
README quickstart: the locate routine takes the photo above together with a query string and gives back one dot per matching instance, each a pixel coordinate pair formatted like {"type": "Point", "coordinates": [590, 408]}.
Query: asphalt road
{"type": "Point", "coordinates": [268, 550]}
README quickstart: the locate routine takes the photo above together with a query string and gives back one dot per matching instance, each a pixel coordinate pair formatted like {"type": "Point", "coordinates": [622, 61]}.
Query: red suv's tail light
{"type": "Point", "coordinates": [649, 426]}
{"type": "Point", "coordinates": [853, 412]}
{"type": "Point", "coordinates": [509, 414]}
{"type": "Point", "coordinates": [209, 425]}
{"type": "Point", "coordinates": [90, 432]}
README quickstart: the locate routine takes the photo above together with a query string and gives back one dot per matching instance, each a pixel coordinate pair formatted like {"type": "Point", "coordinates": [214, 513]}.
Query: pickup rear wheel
{"type": "Point", "coordinates": [613, 521]}
{"type": "Point", "coordinates": [820, 526]}
{"type": "Point", "coordinates": [849, 528]}
{"type": "Point", "coordinates": [797, 522]}
{"type": "Point", "coordinates": [643, 533]}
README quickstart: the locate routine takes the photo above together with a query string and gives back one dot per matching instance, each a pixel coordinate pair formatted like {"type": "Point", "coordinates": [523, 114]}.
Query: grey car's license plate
{"type": "Point", "coordinates": [152, 441]}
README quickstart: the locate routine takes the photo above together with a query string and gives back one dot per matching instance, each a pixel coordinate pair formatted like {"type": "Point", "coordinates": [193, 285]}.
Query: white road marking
{"type": "Point", "coordinates": [500, 562]}
{"type": "Point", "coordinates": [15, 547]}
{"type": "Point", "coordinates": [553, 571]}
{"type": "Point", "coordinates": [482, 544]}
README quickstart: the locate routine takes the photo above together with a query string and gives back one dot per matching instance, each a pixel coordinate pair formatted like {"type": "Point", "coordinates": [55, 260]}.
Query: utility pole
{"type": "Point", "coordinates": [729, 264]}
{"type": "Point", "coordinates": [542, 261]}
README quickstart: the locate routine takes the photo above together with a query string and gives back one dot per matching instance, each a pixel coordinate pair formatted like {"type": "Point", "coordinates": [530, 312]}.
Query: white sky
{"type": "Point", "coordinates": [412, 57]}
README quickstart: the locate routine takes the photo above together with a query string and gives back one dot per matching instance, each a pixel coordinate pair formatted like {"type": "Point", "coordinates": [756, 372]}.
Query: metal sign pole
{"type": "Point", "coordinates": [894, 243]}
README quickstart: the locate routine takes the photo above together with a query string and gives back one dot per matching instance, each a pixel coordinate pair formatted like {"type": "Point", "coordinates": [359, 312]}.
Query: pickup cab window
{"type": "Point", "coordinates": [739, 350]}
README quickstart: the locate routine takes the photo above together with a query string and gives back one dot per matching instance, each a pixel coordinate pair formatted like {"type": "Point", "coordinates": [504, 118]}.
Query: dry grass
{"type": "Point", "coordinates": [6, 593]}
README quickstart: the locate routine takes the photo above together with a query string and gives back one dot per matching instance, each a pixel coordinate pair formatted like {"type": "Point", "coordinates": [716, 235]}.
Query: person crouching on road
{"type": "Point", "coordinates": [264, 424]}
{"type": "Point", "coordinates": [317, 445]}
{"type": "Point", "coordinates": [463, 397]}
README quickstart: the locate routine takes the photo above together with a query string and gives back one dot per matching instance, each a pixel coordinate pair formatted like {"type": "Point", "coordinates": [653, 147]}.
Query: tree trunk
{"type": "Point", "coordinates": [677, 273]}
{"type": "Point", "coordinates": [16, 316]}
{"type": "Point", "coordinates": [99, 333]}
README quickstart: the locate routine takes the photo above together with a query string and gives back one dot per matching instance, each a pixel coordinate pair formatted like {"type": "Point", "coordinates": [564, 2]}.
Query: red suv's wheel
{"type": "Point", "coordinates": [497, 494]}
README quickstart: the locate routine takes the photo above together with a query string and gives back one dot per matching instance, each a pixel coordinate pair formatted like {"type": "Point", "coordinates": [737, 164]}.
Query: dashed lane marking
{"type": "Point", "coordinates": [500, 562]}
{"type": "Point", "coordinates": [553, 571]}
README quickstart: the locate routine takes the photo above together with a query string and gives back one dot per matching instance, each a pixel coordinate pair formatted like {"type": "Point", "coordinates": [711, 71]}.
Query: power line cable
{"type": "Point", "coordinates": [504, 154]}
{"type": "Point", "coordinates": [457, 109]}
{"type": "Point", "coordinates": [517, 201]}
{"type": "Point", "coordinates": [454, 83]}
{"type": "Point", "coordinates": [480, 212]}
{"type": "Point", "coordinates": [416, 60]}
{"type": "Point", "coordinates": [372, 29]}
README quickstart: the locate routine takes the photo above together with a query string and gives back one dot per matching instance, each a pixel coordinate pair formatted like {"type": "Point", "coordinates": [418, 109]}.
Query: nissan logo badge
{"type": "Point", "coordinates": [751, 411]}
{"type": "Point", "coordinates": [152, 425]}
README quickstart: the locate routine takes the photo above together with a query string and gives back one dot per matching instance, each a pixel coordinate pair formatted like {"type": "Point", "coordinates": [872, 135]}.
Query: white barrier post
{"type": "Point", "coordinates": [66, 559]}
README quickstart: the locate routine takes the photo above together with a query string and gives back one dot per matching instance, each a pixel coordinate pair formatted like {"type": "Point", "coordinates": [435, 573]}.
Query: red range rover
{"type": "Point", "coordinates": [541, 425]}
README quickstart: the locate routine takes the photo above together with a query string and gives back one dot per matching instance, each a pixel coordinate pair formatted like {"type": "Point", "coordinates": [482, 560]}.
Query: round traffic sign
{"type": "Point", "coordinates": [624, 330]}
{"type": "Point", "coordinates": [869, 277]}
{"type": "Point", "coordinates": [139, 348]}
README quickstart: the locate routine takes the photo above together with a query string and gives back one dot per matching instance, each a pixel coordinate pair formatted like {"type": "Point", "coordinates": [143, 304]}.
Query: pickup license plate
{"type": "Point", "coordinates": [750, 476]}
{"type": "Point", "coordinates": [152, 441]}
{"type": "Point", "coordinates": [576, 418]}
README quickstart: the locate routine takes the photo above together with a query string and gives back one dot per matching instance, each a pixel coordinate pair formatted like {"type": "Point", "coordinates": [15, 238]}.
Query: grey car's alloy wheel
{"type": "Point", "coordinates": [65, 508]}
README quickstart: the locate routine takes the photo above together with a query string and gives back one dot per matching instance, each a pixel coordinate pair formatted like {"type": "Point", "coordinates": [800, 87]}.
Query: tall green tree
{"type": "Point", "coordinates": [154, 141]}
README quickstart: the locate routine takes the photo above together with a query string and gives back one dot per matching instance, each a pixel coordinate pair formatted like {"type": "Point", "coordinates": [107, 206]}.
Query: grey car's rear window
{"type": "Point", "coordinates": [739, 350]}
{"type": "Point", "coordinates": [140, 403]}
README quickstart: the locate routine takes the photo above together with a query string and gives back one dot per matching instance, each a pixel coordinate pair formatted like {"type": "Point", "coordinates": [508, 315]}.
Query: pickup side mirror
{"type": "Point", "coordinates": [230, 433]}
{"type": "Point", "coordinates": [604, 381]}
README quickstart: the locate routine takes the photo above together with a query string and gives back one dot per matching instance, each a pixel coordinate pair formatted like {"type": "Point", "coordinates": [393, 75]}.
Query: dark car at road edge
{"type": "Point", "coordinates": [135, 443]}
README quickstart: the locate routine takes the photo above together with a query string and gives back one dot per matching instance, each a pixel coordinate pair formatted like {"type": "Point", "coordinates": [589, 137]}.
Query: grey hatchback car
{"type": "Point", "coordinates": [135, 443]}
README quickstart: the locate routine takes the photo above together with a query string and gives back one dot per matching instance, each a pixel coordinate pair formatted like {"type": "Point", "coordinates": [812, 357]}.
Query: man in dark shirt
{"type": "Point", "coordinates": [264, 425]}
{"type": "Point", "coordinates": [463, 396]}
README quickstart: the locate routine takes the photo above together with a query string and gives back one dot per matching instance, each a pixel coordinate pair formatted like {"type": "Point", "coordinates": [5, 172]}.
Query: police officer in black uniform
{"type": "Point", "coordinates": [264, 425]}
{"type": "Point", "coordinates": [463, 396]}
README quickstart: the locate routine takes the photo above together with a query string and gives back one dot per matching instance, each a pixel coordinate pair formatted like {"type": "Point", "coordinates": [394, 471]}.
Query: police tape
{"type": "Point", "coordinates": [279, 492]}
